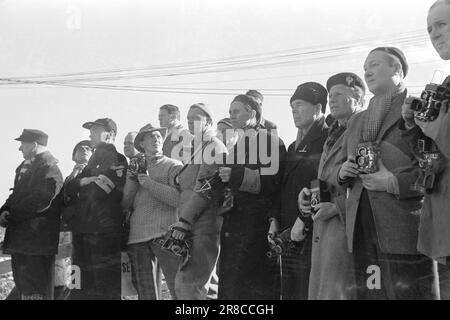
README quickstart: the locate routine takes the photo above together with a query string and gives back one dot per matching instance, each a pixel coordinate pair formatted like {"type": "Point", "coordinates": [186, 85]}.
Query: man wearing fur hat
{"type": "Point", "coordinates": [153, 199]}
{"type": "Point", "coordinates": [381, 231]}
{"type": "Point", "coordinates": [31, 217]}
{"type": "Point", "coordinates": [97, 226]}
{"type": "Point", "coordinates": [308, 105]}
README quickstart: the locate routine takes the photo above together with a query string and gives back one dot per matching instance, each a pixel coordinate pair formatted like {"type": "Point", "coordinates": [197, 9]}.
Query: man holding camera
{"type": "Point", "coordinates": [198, 208]}
{"type": "Point", "coordinates": [381, 231]}
{"type": "Point", "coordinates": [97, 226]}
{"type": "Point", "coordinates": [308, 105]}
{"type": "Point", "coordinates": [31, 217]}
{"type": "Point", "coordinates": [150, 194]}
{"type": "Point", "coordinates": [332, 275]}
{"type": "Point", "coordinates": [434, 219]}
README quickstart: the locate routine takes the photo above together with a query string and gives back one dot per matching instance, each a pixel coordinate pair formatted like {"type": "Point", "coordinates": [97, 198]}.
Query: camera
{"type": "Point", "coordinates": [367, 158]}
{"type": "Point", "coordinates": [177, 247]}
{"type": "Point", "coordinates": [138, 165]}
{"type": "Point", "coordinates": [319, 193]}
{"type": "Point", "coordinates": [427, 107]}
{"type": "Point", "coordinates": [283, 244]}
{"type": "Point", "coordinates": [430, 162]}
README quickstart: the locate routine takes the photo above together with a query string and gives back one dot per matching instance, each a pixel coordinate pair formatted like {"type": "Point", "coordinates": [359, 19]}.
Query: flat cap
{"type": "Point", "coordinates": [33, 135]}
{"type": "Point", "coordinates": [311, 92]}
{"type": "Point", "coordinates": [107, 123]}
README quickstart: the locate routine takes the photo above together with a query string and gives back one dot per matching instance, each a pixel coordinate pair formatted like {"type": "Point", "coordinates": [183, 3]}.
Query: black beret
{"type": "Point", "coordinates": [313, 93]}
{"type": "Point", "coordinates": [33, 135]}
{"type": "Point", "coordinates": [107, 123]}
{"type": "Point", "coordinates": [396, 53]}
{"type": "Point", "coordinates": [251, 102]}
{"type": "Point", "coordinates": [347, 79]}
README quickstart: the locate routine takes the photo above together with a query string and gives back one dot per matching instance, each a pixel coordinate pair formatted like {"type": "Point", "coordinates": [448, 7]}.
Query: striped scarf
{"type": "Point", "coordinates": [334, 134]}
{"type": "Point", "coordinates": [378, 108]}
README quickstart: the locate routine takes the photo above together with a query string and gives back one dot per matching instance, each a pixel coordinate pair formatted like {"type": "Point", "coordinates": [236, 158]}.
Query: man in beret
{"type": "Point", "coordinates": [266, 124]}
{"type": "Point", "coordinates": [308, 105]}
{"type": "Point", "coordinates": [199, 205]}
{"type": "Point", "coordinates": [97, 226]}
{"type": "Point", "coordinates": [381, 231]}
{"type": "Point", "coordinates": [434, 240]}
{"type": "Point", "coordinates": [332, 276]}
{"type": "Point", "coordinates": [31, 217]}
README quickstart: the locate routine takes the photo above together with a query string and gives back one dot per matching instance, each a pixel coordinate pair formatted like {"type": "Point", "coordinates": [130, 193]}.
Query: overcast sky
{"type": "Point", "coordinates": [41, 37]}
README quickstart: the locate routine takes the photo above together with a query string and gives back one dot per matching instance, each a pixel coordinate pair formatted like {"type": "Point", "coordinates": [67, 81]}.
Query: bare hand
{"type": "Point", "coordinates": [180, 235]}
{"type": "Point", "coordinates": [304, 201]}
{"type": "Point", "coordinates": [298, 231]}
{"type": "Point", "coordinates": [431, 128]}
{"type": "Point", "coordinates": [377, 181]}
{"type": "Point", "coordinates": [225, 174]}
{"type": "Point", "coordinates": [144, 179]}
{"type": "Point", "coordinates": [273, 230]}
{"type": "Point", "coordinates": [349, 169]}
{"type": "Point", "coordinates": [326, 211]}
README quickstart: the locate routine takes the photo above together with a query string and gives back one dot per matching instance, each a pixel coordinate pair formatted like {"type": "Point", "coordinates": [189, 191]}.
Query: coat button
{"type": "Point", "coordinates": [316, 239]}
{"type": "Point", "coordinates": [227, 234]}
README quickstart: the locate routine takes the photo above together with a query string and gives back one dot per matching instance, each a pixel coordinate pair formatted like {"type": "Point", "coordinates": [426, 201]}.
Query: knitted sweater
{"type": "Point", "coordinates": [155, 203]}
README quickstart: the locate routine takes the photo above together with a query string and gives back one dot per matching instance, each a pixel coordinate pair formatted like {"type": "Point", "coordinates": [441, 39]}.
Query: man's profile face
{"type": "Point", "coordinates": [98, 135]}
{"type": "Point", "coordinates": [303, 113]}
{"type": "Point", "coordinates": [82, 154]}
{"type": "Point", "coordinates": [439, 29]}
{"type": "Point", "coordinates": [28, 149]}
{"type": "Point", "coordinates": [164, 118]}
{"type": "Point", "coordinates": [342, 101]}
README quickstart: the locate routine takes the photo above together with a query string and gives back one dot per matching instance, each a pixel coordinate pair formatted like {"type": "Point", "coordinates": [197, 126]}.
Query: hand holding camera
{"type": "Point", "coordinates": [408, 113]}
{"type": "Point", "coordinates": [377, 181]}
{"type": "Point", "coordinates": [304, 202]}
{"type": "Point", "coordinates": [349, 169]}
{"type": "Point", "coordinates": [273, 231]}
{"type": "Point", "coordinates": [225, 174]}
{"type": "Point", "coordinates": [137, 166]}
{"type": "Point", "coordinates": [298, 231]}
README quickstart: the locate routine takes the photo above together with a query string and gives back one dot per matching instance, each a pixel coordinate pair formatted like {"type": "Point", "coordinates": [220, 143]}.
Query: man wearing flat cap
{"type": "Point", "coordinates": [199, 204]}
{"type": "Point", "coordinates": [381, 231]}
{"type": "Point", "coordinates": [308, 105]}
{"type": "Point", "coordinates": [332, 276]}
{"type": "Point", "coordinates": [97, 226]}
{"type": "Point", "coordinates": [31, 217]}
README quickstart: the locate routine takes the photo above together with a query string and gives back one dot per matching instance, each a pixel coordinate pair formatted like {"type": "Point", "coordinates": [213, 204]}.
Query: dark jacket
{"type": "Point", "coordinates": [244, 267]}
{"type": "Point", "coordinates": [301, 167]}
{"type": "Point", "coordinates": [33, 226]}
{"type": "Point", "coordinates": [99, 203]}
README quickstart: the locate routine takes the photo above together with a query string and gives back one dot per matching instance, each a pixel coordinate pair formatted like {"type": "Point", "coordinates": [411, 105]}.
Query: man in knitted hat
{"type": "Point", "coordinates": [308, 104]}
{"type": "Point", "coordinates": [332, 275]}
{"type": "Point", "coordinates": [244, 270]}
{"type": "Point", "coordinates": [381, 231]}
{"type": "Point", "coordinates": [434, 240]}
{"type": "Point", "coordinates": [199, 204]}
{"type": "Point", "coordinates": [97, 226]}
{"type": "Point", "coordinates": [31, 217]}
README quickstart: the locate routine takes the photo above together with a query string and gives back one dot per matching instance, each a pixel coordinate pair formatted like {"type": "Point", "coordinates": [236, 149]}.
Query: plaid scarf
{"type": "Point", "coordinates": [379, 107]}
